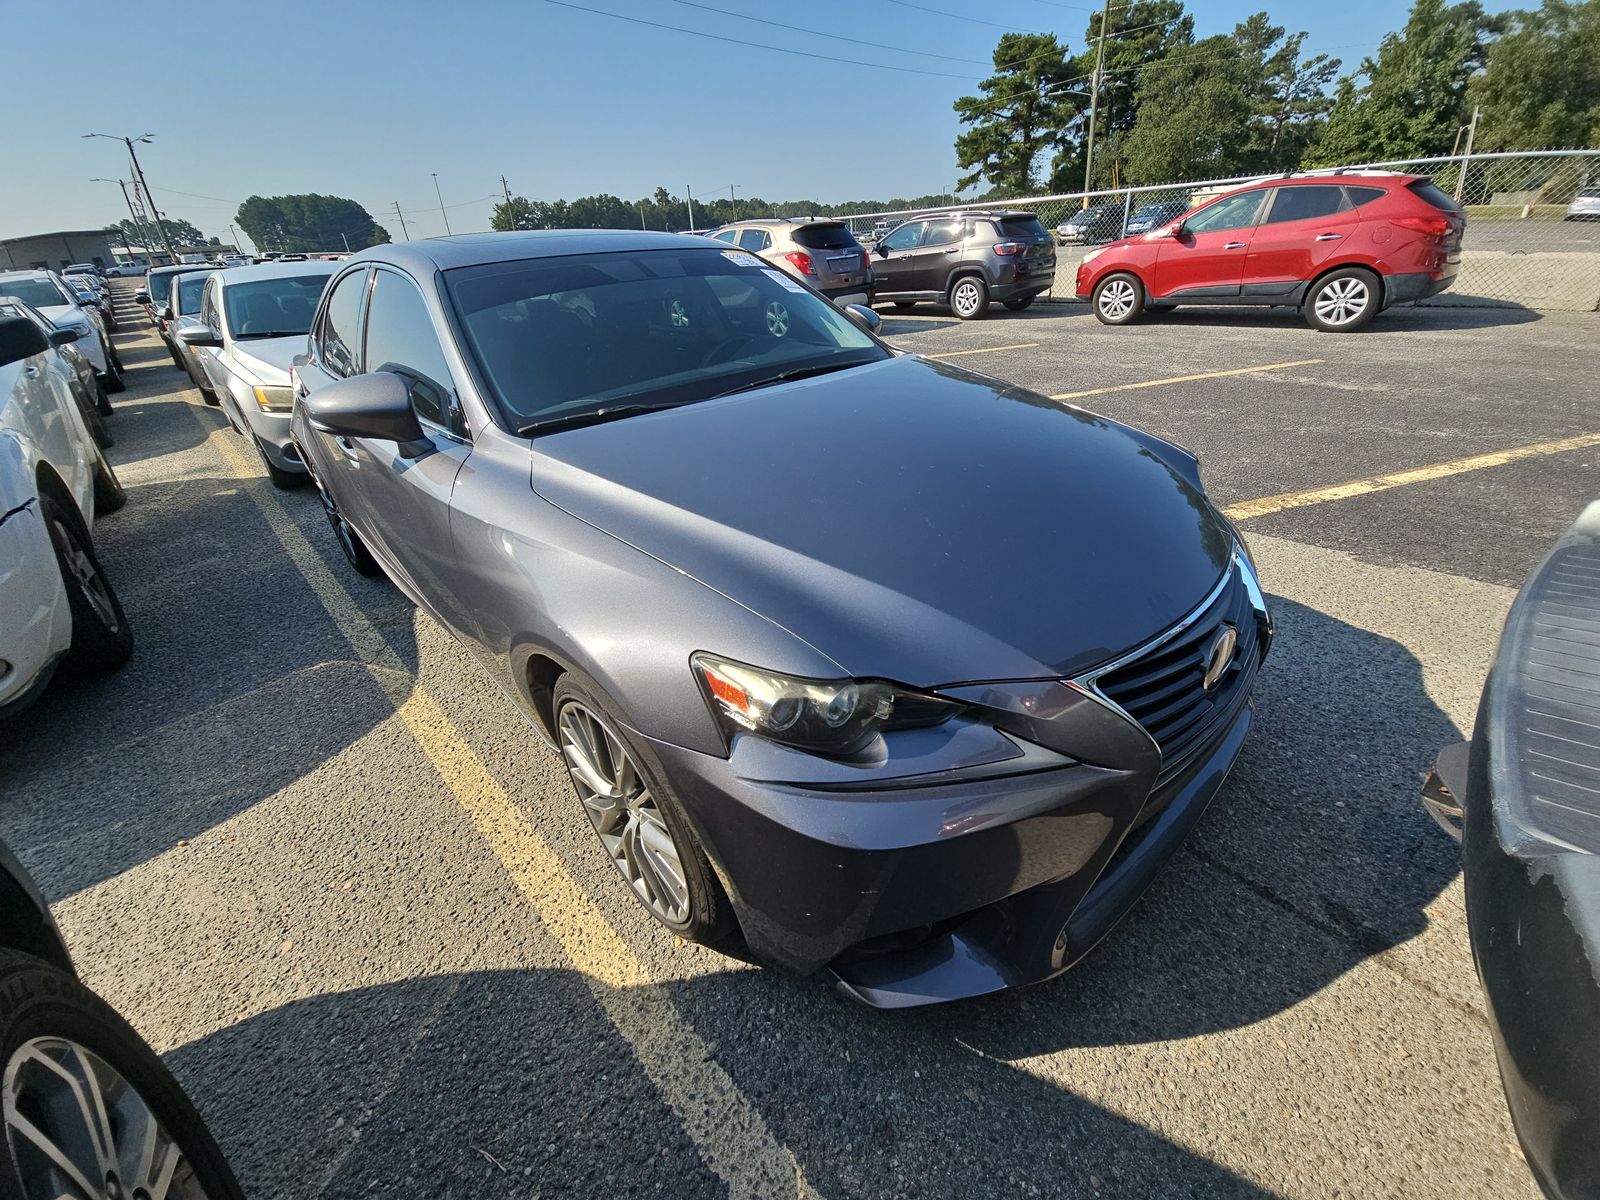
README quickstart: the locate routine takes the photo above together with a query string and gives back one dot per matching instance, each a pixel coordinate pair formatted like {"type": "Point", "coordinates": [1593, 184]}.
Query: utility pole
{"type": "Point", "coordinates": [442, 213]}
{"type": "Point", "coordinates": [132, 216]}
{"type": "Point", "coordinates": [138, 174]}
{"type": "Point", "coordinates": [401, 217]}
{"type": "Point", "coordinates": [689, 191]}
{"type": "Point", "coordinates": [641, 216]}
{"type": "Point", "coordinates": [1094, 96]}
{"type": "Point", "coordinates": [506, 187]}
{"type": "Point", "coordinates": [346, 238]}
{"type": "Point", "coordinates": [235, 234]}
{"type": "Point", "coordinates": [1466, 156]}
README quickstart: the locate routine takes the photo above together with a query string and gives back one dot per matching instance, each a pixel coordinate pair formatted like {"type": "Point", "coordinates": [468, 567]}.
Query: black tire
{"type": "Point", "coordinates": [969, 297]}
{"type": "Point", "coordinates": [1343, 301]}
{"type": "Point", "coordinates": [286, 480]}
{"type": "Point", "coordinates": [102, 402]}
{"type": "Point", "coordinates": [1020, 302]}
{"type": "Point", "coordinates": [101, 639]}
{"type": "Point", "coordinates": [112, 380]}
{"type": "Point", "coordinates": [50, 1013]}
{"type": "Point", "coordinates": [1118, 299]}
{"type": "Point", "coordinates": [109, 495]}
{"type": "Point", "coordinates": [177, 359]}
{"type": "Point", "coordinates": [355, 550]}
{"type": "Point", "coordinates": [710, 918]}
{"type": "Point", "coordinates": [905, 303]}
{"type": "Point", "coordinates": [96, 424]}
{"type": "Point", "coordinates": [113, 357]}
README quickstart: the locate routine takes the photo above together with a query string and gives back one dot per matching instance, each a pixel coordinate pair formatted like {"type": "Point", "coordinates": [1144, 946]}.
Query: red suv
{"type": "Point", "coordinates": [1339, 246]}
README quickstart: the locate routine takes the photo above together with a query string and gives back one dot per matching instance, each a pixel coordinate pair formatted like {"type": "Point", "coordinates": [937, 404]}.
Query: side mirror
{"type": "Point", "coordinates": [377, 405]}
{"type": "Point", "coordinates": [166, 312]}
{"type": "Point", "coordinates": [863, 318]}
{"type": "Point", "coordinates": [64, 337]}
{"type": "Point", "coordinates": [141, 296]}
{"type": "Point", "coordinates": [200, 335]}
{"type": "Point", "coordinates": [880, 249]}
{"type": "Point", "coordinates": [20, 338]}
{"type": "Point", "coordinates": [1176, 229]}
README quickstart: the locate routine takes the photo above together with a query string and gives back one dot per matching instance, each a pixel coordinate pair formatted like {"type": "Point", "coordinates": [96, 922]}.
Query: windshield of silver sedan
{"type": "Point", "coordinates": [560, 338]}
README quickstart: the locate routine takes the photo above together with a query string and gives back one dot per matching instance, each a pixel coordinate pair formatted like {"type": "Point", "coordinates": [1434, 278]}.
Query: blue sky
{"type": "Point", "coordinates": [366, 99]}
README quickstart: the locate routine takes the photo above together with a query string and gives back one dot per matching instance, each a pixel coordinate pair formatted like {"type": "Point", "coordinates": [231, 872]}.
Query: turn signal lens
{"type": "Point", "coordinates": [801, 262]}
{"type": "Point", "coordinates": [831, 717]}
{"type": "Point", "coordinates": [275, 399]}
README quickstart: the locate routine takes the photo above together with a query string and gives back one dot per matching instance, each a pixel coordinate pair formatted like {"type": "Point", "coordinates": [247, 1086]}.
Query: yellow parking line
{"type": "Point", "coordinates": [730, 1134]}
{"type": "Point", "coordinates": [1379, 483]}
{"type": "Point", "coordinates": [984, 350]}
{"type": "Point", "coordinates": [1150, 383]}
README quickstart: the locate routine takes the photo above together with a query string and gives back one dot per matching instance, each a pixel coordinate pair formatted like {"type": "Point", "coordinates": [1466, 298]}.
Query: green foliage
{"type": "Point", "coordinates": [181, 232]}
{"type": "Point", "coordinates": [1411, 100]}
{"type": "Point", "coordinates": [664, 211]}
{"type": "Point", "coordinates": [1023, 111]}
{"type": "Point", "coordinates": [1194, 113]}
{"type": "Point", "coordinates": [308, 223]}
{"type": "Point", "coordinates": [1541, 86]}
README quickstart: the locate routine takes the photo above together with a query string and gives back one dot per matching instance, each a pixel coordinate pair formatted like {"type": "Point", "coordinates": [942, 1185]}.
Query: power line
{"type": "Point", "coordinates": [717, 37]}
{"type": "Point", "coordinates": [837, 37]}
{"type": "Point", "coordinates": [939, 12]}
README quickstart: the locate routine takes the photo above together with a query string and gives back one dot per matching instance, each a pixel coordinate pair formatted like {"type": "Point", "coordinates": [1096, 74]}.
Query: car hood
{"type": "Point", "coordinates": [267, 360]}
{"type": "Point", "coordinates": [65, 314]}
{"type": "Point", "coordinates": [908, 519]}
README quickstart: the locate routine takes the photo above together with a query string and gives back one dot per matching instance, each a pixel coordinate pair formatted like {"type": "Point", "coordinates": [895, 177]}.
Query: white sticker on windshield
{"type": "Point", "coordinates": [780, 277]}
{"type": "Point", "coordinates": [740, 259]}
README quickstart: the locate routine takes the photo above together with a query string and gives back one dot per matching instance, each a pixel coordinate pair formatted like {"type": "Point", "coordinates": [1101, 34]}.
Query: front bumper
{"type": "Point", "coordinates": [38, 625]}
{"type": "Point", "coordinates": [270, 430]}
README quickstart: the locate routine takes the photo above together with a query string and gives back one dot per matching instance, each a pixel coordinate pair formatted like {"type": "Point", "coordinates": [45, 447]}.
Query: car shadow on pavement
{"type": "Point", "coordinates": [217, 709]}
{"type": "Point", "coordinates": [514, 1083]}
{"type": "Point", "coordinates": [1403, 318]}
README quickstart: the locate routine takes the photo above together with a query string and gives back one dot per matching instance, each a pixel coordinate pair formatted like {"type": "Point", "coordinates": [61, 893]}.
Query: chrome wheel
{"type": "Point", "coordinates": [1116, 300]}
{"type": "Point", "coordinates": [79, 563]}
{"type": "Point", "coordinates": [624, 812]}
{"type": "Point", "coordinates": [678, 314]}
{"type": "Point", "coordinates": [966, 298]}
{"type": "Point", "coordinates": [777, 320]}
{"type": "Point", "coordinates": [1342, 300]}
{"type": "Point", "coordinates": [76, 1128]}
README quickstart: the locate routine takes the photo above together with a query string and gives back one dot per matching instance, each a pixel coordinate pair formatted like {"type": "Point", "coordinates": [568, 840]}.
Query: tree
{"type": "Point", "coordinates": [181, 232]}
{"type": "Point", "coordinates": [308, 223]}
{"type": "Point", "coordinates": [517, 213]}
{"type": "Point", "coordinates": [1411, 100]}
{"type": "Point", "coordinates": [1288, 94]}
{"type": "Point", "coordinates": [1023, 112]}
{"type": "Point", "coordinates": [1541, 84]}
{"type": "Point", "coordinates": [1194, 114]}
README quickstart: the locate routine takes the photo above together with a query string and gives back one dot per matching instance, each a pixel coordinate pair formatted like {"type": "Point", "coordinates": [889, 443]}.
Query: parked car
{"type": "Point", "coordinates": [123, 270]}
{"type": "Point", "coordinates": [1153, 216]}
{"type": "Point", "coordinates": [81, 269]}
{"type": "Point", "coordinates": [92, 289]}
{"type": "Point", "coordinates": [965, 260]}
{"type": "Point", "coordinates": [85, 385]}
{"type": "Point", "coordinates": [738, 561]}
{"type": "Point", "coordinates": [1585, 205]}
{"type": "Point", "coordinates": [91, 1111]}
{"type": "Point", "coordinates": [290, 258]}
{"type": "Point", "coordinates": [1523, 798]}
{"type": "Point", "coordinates": [1087, 226]}
{"type": "Point", "coordinates": [49, 293]}
{"type": "Point", "coordinates": [823, 253]}
{"type": "Point", "coordinates": [155, 296]}
{"type": "Point", "coordinates": [182, 312]}
{"type": "Point", "coordinates": [252, 323]}
{"type": "Point", "coordinates": [1341, 247]}
{"type": "Point", "coordinates": [56, 603]}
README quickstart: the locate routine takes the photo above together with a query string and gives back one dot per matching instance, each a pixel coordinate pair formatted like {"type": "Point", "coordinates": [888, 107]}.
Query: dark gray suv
{"type": "Point", "coordinates": [965, 260]}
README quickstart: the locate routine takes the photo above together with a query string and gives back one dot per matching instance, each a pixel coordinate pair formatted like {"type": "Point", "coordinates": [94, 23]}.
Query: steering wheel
{"type": "Point", "coordinates": [726, 349]}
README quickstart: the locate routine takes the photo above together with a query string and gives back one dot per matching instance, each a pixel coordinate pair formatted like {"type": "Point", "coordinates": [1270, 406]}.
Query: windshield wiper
{"type": "Point", "coordinates": [787, 377]}
{"type": "Point", "coordinates": [598, 416]}
{"type": "Point", "coordinates": [250, 337]}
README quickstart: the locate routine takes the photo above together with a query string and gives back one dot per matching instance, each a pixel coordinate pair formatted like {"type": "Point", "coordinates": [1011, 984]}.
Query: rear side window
{"type": "Point", "coordinates": [754, 239]}
{"type": "Point", "coordinates": [1305, 203]}
{"type": "Point", "coordinates": [339, 336]}
{"type": "Point", "coordinates": [1022, 229]}
{"type": "Point", "coordinates": [1360, 195]}
{"type": "Point", "coordinates": [942, 233]}
{"type": "Point", "coordinates": [825, 237]}
{"type": "Point", "coordinates": [1435, 196]}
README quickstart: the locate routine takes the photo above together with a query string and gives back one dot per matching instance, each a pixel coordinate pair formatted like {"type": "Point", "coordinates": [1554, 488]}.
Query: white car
{"type": "Point", "coordinates": [1585, 205]}
{"type": "Point", "coordinates": [47, 292]}
{"type": "Point", "coordinates": [252, 323]}
{"type": "Point", "coordinates": [123, 270]}
{"type": "Point", "coordinates": [56, 604]}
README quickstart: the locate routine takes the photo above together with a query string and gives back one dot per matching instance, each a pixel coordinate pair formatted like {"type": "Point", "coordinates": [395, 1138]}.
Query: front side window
{"type": "Point", "coordinates": [1231, 212]}
{"type": "Point", "coordinates": [263, 308]}
{"type": "Point", "coordinates": [186, 294]}
{"type": "Point", "coordinates": [208, 305]}
{"type": "Point", "coordinates": [1306, 202]}
{"type": "Point", "coordinates": [907, 237]}
{"type": "Point", "coordinates": [569, 336]}
{"type": "Point", "coordinates": [726, 235]}
{"type": "Point", "coordinates": [400, 338]}
{"type": "Point", "coordinates": [340, 335]}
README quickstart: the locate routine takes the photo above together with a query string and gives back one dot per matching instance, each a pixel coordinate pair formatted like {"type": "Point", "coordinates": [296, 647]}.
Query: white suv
{"type": "Point", "coordinates": [47, 292]}
{"type": "Point", "coordinates": [56, 604]}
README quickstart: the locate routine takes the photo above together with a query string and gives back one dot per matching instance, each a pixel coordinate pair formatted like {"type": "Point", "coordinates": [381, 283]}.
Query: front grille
{"type": "Point", "coordinates": [1162, 689]}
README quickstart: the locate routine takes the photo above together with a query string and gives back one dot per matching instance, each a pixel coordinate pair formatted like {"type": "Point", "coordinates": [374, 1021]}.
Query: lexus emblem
{"type": "Point", "coordinates": [1219, 655]}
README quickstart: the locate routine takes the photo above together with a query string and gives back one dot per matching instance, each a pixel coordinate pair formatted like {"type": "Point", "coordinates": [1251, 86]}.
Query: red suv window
{"type": "Point", "coordinates": [1305, 202]}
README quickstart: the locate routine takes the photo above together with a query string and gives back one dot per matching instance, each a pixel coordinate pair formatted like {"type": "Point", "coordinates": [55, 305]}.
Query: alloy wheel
{"type": "Point", "coordinates": [966, 298]}
{"type": "Point", "coordinates": [678, 314]}
{"type": "Point", "coordinates": [76, 1128]}
{"type": "Point", "coordinates": [75, 557]}
{"type": "Point", "coordinates": [624, 813]}
{"type": "Point", "coordinates": [1342, 301]}
{"type": "Point", "coordinates": [777, 320]}
{"type": "Point", "coordinates": [1116, 299]}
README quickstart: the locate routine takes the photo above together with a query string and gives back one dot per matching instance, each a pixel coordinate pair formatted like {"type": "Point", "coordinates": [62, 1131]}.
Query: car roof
{"type": "Point", "coordinates": [276, 270]}
{"type": "Point", "coordinates": [474, 249]}
{"type": "Point", "coordinates": [33, 273]}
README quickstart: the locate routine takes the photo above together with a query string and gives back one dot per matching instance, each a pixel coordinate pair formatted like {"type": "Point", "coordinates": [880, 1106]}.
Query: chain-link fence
{"type": "Point", "coordinates": [1533, 223]}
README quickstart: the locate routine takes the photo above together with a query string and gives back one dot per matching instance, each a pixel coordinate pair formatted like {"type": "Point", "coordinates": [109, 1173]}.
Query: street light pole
{"type": "Point", "coordinates": [442, 213]}
{"type": "Point", "coordinates": [690, 192]}
{"type": "Point", "coordinates": [401, 217]}
{"type": "Point", "coordinates": [144, 184]}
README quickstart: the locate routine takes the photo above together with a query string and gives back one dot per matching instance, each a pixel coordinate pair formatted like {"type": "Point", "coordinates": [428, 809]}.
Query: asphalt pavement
{"type": "Point", "coordinates": [306, 846]}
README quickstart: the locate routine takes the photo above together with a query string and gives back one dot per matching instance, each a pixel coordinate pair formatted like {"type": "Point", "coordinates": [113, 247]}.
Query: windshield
{"type": "Point", "coordinates": [273, 307]}
{"type": "Point", "coordinates": [559, 337]}
{"type": "Point", "coordinates": [41, 293]}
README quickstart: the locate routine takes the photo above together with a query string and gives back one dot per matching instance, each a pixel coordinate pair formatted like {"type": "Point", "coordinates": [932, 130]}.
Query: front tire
{"type": "Point", "coordinates": [72, 1066]}
{"type": "Point", "coordinates": [101, 639]}
{"type": "Point", "coordinates": [1343, 300]}
{"type": "Point", "coordinates": [112, 380]}
{"type": "Point", "coordinates": [287, 481]}
{"type": "Point", "coordinates": [1118, 299]}
{"type": "Point", "coordinates": [108, 491]}
{"type": "Point", "coordinates": [905, 304]}
{"type": "Point", "coordinates": [969, 298]}
{"type": "Point", "coordinates": [355, 550]}
{"type": "Point", "coordinates": [638, 817]}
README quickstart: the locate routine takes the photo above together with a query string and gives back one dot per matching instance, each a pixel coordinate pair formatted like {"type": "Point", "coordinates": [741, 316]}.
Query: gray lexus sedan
{"type": "Point", "coordinates": [893, 669]}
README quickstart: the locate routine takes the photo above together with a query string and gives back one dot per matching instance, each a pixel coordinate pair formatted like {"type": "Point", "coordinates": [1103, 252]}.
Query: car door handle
{"type": "Point", "coordinates": [903, 257]}
{"type": "Point", "coordinates": [953, 250]}
{"type": "Point", "coordinates": [1234, 246]}
{"type": "Point", "coordinates": [347, 448]}
{"type": "Point", "coordinates": [1329, 237]}
{"type": "Point", "coordinates": [31, 371]}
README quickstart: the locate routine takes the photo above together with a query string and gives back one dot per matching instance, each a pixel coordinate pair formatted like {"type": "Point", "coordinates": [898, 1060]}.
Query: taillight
{"type": "Point", "coordinates": [1433, 226]}
{"type": "Point", "coordinates": [801, 261]}
{"type": "Point", "coordinates": [1007, 249]}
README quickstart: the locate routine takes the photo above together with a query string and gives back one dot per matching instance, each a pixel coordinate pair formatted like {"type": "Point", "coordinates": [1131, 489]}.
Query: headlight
{"type": "Point", "coordinates": [836, 717]}
{"type": "Point", "coordinates": [1094, 254]}
{"type": "Point", "coordinates": [275, 399]}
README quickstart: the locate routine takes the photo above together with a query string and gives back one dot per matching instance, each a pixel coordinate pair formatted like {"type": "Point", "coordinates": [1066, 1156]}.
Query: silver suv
{"type": "Point", "coordinates": [965, 260]}
{"type": "Point", "coordinates": [824, 254]}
